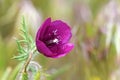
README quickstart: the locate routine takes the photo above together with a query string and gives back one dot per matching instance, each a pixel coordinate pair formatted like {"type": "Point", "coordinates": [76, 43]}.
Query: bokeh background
{"type": "Point", "coordinates": [95, 25]}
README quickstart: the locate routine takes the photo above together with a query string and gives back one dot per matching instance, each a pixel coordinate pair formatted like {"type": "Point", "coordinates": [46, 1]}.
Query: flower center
{"type": "Point", "coordinates": [52, 38]}
{"type": "Point", "coordinates": [55, 40]}
{"type": "Point", "coordinates": [52, 42]}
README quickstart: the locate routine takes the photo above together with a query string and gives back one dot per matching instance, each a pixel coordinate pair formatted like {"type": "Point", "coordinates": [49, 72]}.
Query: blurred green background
{"type": "Point", "coordinates": [95, 26]}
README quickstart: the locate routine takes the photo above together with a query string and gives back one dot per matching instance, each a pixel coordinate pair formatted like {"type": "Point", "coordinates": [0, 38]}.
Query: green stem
{"type": "Point", "coordinates": [28, 61]}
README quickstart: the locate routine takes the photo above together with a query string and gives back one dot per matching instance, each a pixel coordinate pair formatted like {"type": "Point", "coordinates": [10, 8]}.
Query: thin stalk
{"type": "Point", "coordinates": [28, 61]}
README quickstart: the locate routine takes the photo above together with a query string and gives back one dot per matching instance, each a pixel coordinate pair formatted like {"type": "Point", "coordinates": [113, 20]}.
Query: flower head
{"type": "Point", "coordinates": [52, 39]}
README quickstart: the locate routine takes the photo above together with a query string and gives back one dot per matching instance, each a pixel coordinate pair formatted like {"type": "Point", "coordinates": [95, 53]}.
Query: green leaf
{"type": "Point", "coordinates": [22, 41]}
{"type": "Point", "coordinates": [23, 36]}
{"type": "Point", "coordinates": [26, 44]}
{"type": "Point", "coordinates": [30, 39]}
{"type": "Point", "coordinates": [24, 29]}
{"type": "Point", "coordinates": [24, 76]}
{"type": "Point", "coordinates": [21, 57]}
{"type": "Point", "coordinates": [20, 48]}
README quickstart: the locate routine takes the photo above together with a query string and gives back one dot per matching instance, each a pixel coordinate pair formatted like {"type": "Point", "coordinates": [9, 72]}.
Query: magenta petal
{"type": "Point", "coordinates": [41, 47]}
{"type": "Point", "coordinates": [52, 39]}
{"type": "Point", "coordinates": [62, 50]}
{"type": "Point", "coordinates": [61, 29]}
{"type": "Point", "coordinates": [43, 28]}
{"type": "Point", "coordinates": [67, 47]}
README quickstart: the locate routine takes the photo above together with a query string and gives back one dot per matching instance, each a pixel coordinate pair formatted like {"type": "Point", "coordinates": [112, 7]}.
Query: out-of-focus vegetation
{"type": "Point", "coordinates": [95, 26]}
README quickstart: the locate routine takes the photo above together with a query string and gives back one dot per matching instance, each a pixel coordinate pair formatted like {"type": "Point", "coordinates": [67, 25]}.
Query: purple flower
{"type": "Point", "coordinates": [52, 39]}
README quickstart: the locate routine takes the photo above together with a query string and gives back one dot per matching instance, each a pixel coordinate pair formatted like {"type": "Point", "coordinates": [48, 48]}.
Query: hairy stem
{"type": "Point", "coordinates": [28, 61]}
